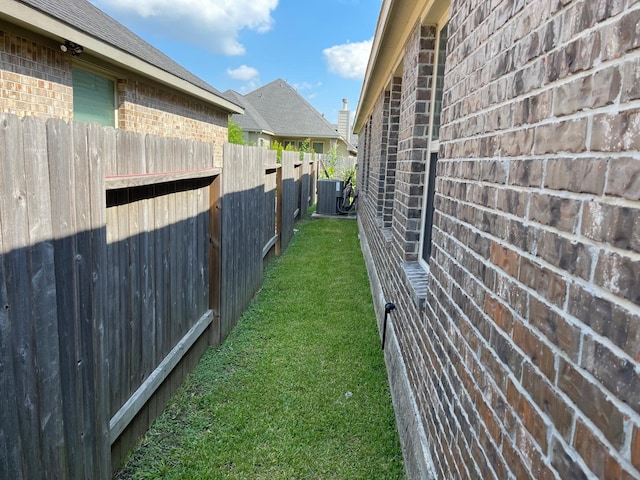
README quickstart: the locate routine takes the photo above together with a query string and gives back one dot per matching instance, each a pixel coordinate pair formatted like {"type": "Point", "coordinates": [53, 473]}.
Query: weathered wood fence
{"type": "Point", "coordinates": [122, 257]}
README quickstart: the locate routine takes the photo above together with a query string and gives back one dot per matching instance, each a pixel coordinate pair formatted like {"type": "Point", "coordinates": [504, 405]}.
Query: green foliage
{"type": "Point", "coordinates": [304, 148]}
{"type": "Point", "coordinates": [277, 146]}
{"type": "Point", "coordinates": [351, 172]}
{"type": "Point", "coordinates": [330, 163]}
{"type": "Point", "coordinates": [297, 390]}
{"type": "Point", "coordinates": [235, 133]}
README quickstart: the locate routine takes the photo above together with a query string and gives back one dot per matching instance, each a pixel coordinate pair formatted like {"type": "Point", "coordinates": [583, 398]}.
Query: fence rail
{"type": "Point", "coordinates": [122, 256]}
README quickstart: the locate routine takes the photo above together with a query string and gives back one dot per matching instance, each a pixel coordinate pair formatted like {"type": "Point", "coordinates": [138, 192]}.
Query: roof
{"type": "Point", "coordinates": [279, 109]}
{"type": "Point", "coordinates": [251, 120]}
{"type": "Point", "coordinates": [81, 22]}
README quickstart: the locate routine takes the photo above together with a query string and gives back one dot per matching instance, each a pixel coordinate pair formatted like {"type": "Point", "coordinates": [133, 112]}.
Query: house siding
{"type": "Point", "coordinates": [520, 344]}
{"type": "Point", "coordinates": [36, 80]}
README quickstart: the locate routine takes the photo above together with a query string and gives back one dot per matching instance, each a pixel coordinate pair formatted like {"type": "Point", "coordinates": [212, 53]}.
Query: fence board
{"type": "Point", "coordinates": [304, 184]}
{"type": "Point", "coordinates": [43, 298]}
{"type": "Point", "coordinates": [124, 302]}
{"type": "Point", "coordinates": [270, 210]}
{"type": "Point", "coordinates": [146, 215]}
{"type": "Point", "coordinates": [10, 438]}
{"type": "Point", "coordinates": [215, 257]}
{"type": "Point", "coordinates": [101, 143]}
{"type": "Point", "coordinates": [13, 207]}
{"type": "Point", "coordinates": [61, 178]}
{"type": "Point", "coordinates": [84, 298]}
{"type": "Point", "coordinates": [289, 197]}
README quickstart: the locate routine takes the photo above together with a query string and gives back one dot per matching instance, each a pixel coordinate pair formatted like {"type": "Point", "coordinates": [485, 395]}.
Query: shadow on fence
{"type": "Point", "coordinates": [122, 257]}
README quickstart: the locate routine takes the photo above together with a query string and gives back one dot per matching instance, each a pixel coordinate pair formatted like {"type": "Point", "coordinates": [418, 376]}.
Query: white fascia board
{"type": "Point", "coordinates": [31, 19]}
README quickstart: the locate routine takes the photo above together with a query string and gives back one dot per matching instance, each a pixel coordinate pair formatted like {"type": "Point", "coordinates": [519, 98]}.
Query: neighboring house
{"type": "Point", "coordinates": [67, 59]}
{"type": "Point", "coordinates": [276, 112]}
{"type": "Point", "coordinates": [499, 210]}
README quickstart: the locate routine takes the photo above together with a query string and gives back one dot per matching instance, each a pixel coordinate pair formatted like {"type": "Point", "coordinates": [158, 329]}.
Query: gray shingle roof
{"type": "Point", "coordinates": [251, 120]}
{"type": "Point", "coordinates": [85, 17]}
{"type": "Point", "coordinates": [278, 108]}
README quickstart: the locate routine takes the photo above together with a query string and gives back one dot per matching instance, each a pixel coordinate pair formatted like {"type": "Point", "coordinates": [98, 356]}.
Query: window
{"type": "Point", "coordinates": [318, 147]}
{"type": "Point", "coordinates": [93, 98]}
{"type": "Point", "coordinates": [434, 144]}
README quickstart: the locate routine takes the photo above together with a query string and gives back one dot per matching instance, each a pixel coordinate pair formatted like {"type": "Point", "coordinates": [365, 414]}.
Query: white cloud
{"type": "Point", "coordinates": [212, 24]}
{"type": "Point", "coordinates": [243, 72]}
{"type": "Point", "coordinates": [305, 86]}
{"type": "Point", "coordinates": [349, 60]}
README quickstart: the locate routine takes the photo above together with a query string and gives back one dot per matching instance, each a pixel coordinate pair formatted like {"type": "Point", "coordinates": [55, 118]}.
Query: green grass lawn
{"type": "Point", "coordinates": [297, 391]}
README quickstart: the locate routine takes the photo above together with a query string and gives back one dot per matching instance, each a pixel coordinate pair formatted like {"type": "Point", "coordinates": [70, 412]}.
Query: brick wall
{"type": "Point", "coordinates": [36, 80]}
{"type": "Point", "coordinates": [412, 140]}
{"type": "Point", "coordinates": [378, 159]}
{"type": "Point", "coordinates": [523, 361]}
{"type": "Point", "coordinates": [395, 92]}
{"type": "Point", "coordinates": [152, 109]}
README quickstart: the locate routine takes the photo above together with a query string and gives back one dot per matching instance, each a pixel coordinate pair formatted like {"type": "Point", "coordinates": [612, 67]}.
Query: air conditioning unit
{"type": "Point", "coordinates": [328, 193]}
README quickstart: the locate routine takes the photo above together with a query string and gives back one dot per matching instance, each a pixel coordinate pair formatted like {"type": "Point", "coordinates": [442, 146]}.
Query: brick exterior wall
{"type": "Point", "coordinates": [412, 140]}
{"type": "Point", "coordinates": [395, 92]}
{"type": "Point", "coordinates": [145, 108]}
{"type": "Point", "coordinates": [378, 159]}
{"type": "Point", "coordinates": [519, 346]}
{"type": "Point", "coordinates": [36, 80]}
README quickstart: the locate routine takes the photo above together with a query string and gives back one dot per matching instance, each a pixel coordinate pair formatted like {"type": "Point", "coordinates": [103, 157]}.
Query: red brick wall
{"type": "Point", "coordinates": [523, 352]}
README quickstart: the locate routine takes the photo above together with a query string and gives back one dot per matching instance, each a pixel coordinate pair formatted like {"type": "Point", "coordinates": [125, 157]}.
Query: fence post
{"type": "Point", "coordinates": [313, 180]}
{"type": "Point", "coordinates": [279, 210]}
{"type": "Point", "coordinates": [215, 241]}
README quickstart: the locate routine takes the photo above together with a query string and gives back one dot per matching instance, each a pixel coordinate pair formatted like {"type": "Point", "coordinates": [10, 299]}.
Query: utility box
{"type": "Point", "coordinates": [328, 193]}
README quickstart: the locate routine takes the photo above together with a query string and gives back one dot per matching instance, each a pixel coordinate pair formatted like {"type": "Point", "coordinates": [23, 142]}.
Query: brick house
{"type": "Point", "coordinates": [499, 148]}
{"type": "Point", "coordinates": [67, 59]}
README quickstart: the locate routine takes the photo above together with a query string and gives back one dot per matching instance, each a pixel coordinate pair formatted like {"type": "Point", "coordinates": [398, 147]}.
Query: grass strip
{"type": "Point", "coordinates": [297, 391]}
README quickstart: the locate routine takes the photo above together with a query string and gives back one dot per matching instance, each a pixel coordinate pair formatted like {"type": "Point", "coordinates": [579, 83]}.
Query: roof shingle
{"type": "Point", "coordinates": [279, 108]}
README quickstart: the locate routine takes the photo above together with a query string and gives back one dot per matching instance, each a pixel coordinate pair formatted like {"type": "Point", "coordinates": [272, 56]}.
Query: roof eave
{"type": "Point", "coordinates": [36, 21]}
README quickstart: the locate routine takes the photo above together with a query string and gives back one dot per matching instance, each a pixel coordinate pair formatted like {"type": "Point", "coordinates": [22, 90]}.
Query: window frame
{"type": "Point", "coordinates": [313, 146]}
{"type": "Point", "coordinates": [433, 151]}
{"type": "Point", "coordinates": [90, 68]}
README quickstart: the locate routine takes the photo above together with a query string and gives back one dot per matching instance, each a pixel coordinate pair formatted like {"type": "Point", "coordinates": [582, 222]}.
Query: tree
{"type": "Point", "coordinates": [236, 134]}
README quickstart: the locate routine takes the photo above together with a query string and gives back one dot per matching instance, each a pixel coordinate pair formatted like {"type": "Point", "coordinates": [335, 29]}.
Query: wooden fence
{"type": "Point", "coordinates": [122, 256]}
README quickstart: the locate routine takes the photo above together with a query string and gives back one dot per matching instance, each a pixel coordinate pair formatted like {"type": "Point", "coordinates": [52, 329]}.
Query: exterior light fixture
{"type": "Point", "coordinates": [74, 48]}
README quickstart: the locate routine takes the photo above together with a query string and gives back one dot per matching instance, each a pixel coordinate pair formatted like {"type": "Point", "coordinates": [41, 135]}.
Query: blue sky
{"type": "Point", "coordinates": [320, 47]}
